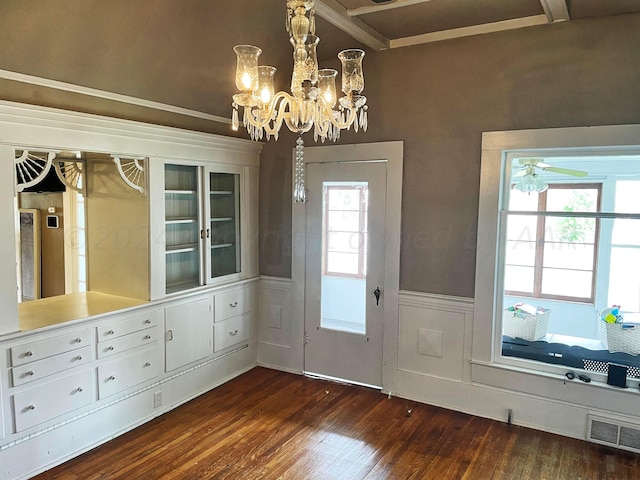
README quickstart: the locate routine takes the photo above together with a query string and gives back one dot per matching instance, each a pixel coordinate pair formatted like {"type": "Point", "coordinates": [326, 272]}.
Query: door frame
{"type": "Point", "coordinates": [392, 154]}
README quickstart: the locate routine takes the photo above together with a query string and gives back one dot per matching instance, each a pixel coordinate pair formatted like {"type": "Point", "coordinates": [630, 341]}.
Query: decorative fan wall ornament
{"type": "Point", "coordinates": [131, 170]}
{"type": "Point", "coordinates": [71, 174]}
{"type": "Point", "coordinates": [32, 166]}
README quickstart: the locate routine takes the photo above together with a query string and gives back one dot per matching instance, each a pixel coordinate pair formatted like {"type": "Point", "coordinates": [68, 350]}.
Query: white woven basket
{"type": "Point", "coordinates": [524, 325]}
{"type": "Point", "coordinates": [620, 337]}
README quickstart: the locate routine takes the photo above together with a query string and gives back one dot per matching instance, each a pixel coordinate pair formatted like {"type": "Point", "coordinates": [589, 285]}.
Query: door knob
{"type": "Point", "coordinates": [376, 293]}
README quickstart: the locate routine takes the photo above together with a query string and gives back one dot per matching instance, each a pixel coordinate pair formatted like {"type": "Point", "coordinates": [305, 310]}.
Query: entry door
{"type": "Point", "coordinates": [344, 278]}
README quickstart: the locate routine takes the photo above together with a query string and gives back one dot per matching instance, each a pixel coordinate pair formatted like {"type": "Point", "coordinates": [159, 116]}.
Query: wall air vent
{"type": "Point", "coordinates": [616, 433]}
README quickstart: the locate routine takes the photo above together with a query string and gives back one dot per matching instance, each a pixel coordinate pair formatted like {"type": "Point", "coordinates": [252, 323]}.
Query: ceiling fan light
{"type": "Point", "coordinates": [531, 183]}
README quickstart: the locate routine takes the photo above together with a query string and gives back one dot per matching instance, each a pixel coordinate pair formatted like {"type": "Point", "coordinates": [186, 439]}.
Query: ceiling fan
{"type": "Point", "coordinates": [529, 166]}
{"type": "Point", "coordinates": [531, 182]}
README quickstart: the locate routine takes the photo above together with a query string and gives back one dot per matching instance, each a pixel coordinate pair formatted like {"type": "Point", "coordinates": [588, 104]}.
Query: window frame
{"type": "Point", "coordinates": [542, 215]}
{"type": "Point", "coordinates": [487, 366]}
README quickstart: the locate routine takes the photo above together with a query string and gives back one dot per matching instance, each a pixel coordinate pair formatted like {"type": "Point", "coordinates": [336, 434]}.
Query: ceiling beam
{"type": "Point", "coordinates": [555, 10]}
{"type": "Point", "coordinates": [469, 31]}
{"type": "Point", "coordinates": [354, 12]}
{"type": "Point", "coordinates": [337, 15]}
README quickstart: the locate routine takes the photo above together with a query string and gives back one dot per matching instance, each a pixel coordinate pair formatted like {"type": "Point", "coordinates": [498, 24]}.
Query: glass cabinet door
{"type": "Point", "coordinates": [182, 227]}
{"type": "Point", "coordinates": [224, 224]}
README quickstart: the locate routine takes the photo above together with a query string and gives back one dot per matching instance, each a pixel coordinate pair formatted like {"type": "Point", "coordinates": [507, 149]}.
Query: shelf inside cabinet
{"type": "Point", "coordinates": [180, 192]}
{"type": "Point", "coordinates": [173, 220]}
{"type": "Point", "coordinates": [222, 219]}
{"type": "Point", "coordinates": [222, 245]}
{"type": "Point", "coordinates": [221, 192]}
{"type": "Point", "coordinates": [190, 247]}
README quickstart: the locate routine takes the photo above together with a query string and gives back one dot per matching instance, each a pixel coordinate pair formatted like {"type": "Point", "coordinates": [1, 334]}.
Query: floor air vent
{"type": "Point", "coordinates": [615, 433]}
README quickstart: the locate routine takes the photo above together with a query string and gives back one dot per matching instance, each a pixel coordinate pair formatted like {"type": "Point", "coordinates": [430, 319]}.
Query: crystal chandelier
{"type": "Point", "coordinates": [312, 101]}
{"type": "Point", "coordinates": [531, 182]}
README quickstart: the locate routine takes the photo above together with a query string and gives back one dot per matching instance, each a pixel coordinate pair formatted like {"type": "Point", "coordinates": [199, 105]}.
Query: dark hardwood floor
{"type": "Point", "coordinates": [271, 425]}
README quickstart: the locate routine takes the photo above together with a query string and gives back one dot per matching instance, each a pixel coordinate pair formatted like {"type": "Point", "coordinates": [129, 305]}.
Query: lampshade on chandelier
{"type": "Point", "coordinates": [312, 103]}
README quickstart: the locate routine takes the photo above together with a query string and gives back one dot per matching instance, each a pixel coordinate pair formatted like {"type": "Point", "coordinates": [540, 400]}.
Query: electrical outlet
{"type": "Point", "coordinates": [157, 399]}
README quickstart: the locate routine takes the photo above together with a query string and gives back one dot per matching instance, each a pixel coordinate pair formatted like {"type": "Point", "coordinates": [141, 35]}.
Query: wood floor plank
{"type": "Point", "coordinates": [269, 425]}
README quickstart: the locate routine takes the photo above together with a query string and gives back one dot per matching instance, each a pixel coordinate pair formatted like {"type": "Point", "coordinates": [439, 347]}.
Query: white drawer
{"type": "Point", "coordinates": [55, 364]}
{"type": "Point", "coordinates": [31, 352]}
{"type": "Point", "coordinates": [127, 342]}
{"type": "Point", "coordinates": [231, 304]}
{"type": "Point", "coordinates": [128, 370]}
{"type": "Point", "coordinates": [52, 399]}
{"type": "Point", "coordinates": [231, 332]}
{"type": "Point", "coordinates": [131, 324]}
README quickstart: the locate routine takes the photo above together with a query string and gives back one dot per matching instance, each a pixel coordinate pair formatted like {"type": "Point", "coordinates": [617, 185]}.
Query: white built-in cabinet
{"type": "Point", "coordinates": [86, 377]}
{"type": "Point", "coordinates": [204, 224]}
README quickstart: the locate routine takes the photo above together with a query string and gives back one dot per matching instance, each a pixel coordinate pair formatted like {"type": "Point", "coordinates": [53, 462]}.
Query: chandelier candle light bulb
{"type": "Point", "coordinates": [313, 98]}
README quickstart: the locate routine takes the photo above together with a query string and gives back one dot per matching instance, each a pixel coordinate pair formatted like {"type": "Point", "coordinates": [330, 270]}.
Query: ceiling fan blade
{"type": "Point", "coordinates": [565, 171]}
{"type": "Point", "coordinates": [520, 173]}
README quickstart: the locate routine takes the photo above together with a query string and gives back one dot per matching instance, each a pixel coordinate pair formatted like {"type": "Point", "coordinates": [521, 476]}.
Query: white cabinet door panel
{"type": "Point", "coordinates": [189, 334]}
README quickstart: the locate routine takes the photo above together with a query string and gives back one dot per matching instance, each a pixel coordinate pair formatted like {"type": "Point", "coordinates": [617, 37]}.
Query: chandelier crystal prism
{"type": "Point", "coordinates": [313, 102]}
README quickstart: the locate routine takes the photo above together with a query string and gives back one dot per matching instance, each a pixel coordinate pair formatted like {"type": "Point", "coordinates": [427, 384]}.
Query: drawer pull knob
{"type": "Point", "coordinates": [30, 373]}
{"type": "Point", "coordinates": [110, 332]}
{"type": "Point", "coordinates": [79, 357]}
{"type": "Point", "coordinates": [148, 364]}
{"type": "Point", "coordinates": [234, 333]}
{"type": "Point", "coordinates": [233, 305]}
{"type": "Point", "coordinates": [79, 389]}
{"type": "Point", "coordinates": [147, 321]}
{"type": "Point", "coordinates": [111, 378]}
{"type": "Point", "coordinates": [78, 340]}
{"type": "Point", "coordinates": [147, 337]}
{"type": "Point", "coordinates": [31, 407]}
{"type": "Point", "coordinates": [110, 347]}
{"type": "Point", "coordinates": [29, 354]}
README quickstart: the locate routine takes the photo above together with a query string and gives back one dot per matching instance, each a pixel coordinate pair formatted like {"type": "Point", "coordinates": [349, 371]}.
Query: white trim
{"type": "Point", "coordinates": [555, 10]}
{"type": "Point", "coordinates": [337, 15]}
{"type": "Point", "coordinates": [354, 12]}
{"type": "Point", "coordinates": [464, 304]}
{"type": "Point", "coordinates": [274, 283]}
{"type": "Point", "coordinates": [392, 153]}
{"type": "Point", "coordinates": [34, 127]}
{"type": "Point", "coordinates": [116, 97]}
{"type": "Point", "coordinates": [469, 31]}
{"type": "Point", "coordinates": [496, 146]}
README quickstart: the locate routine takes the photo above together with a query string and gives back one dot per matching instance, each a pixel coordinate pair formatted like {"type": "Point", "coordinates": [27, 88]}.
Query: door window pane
{"type": "Point", "coordinates": [344, 256]}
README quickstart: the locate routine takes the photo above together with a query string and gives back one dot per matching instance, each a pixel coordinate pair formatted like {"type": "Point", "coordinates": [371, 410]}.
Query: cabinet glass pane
{"type": "Point", "coordinates": [182, 270]}
{"type": "Point", "coordinates": [224, 224]}
{"type": "Point", "coordinates": [182, 229]}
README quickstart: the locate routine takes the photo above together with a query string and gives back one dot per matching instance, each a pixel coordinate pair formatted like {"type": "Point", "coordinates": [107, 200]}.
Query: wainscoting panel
{"type": "Point", "coordinates": [277, 347]}
{"type": "Point", "coordinates": [434, 335]}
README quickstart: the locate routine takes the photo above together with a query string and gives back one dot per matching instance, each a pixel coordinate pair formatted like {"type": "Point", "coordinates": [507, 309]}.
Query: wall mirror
{"type": "Point", "coordinates": [77, 211]}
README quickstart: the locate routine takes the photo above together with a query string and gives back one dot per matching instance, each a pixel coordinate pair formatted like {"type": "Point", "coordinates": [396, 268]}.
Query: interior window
{"type": "Point", "coordinates": [570, 252]}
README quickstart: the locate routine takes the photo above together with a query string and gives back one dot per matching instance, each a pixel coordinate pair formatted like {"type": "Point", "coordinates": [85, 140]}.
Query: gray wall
{"type": "Point", "coordinates": [439, 98]}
